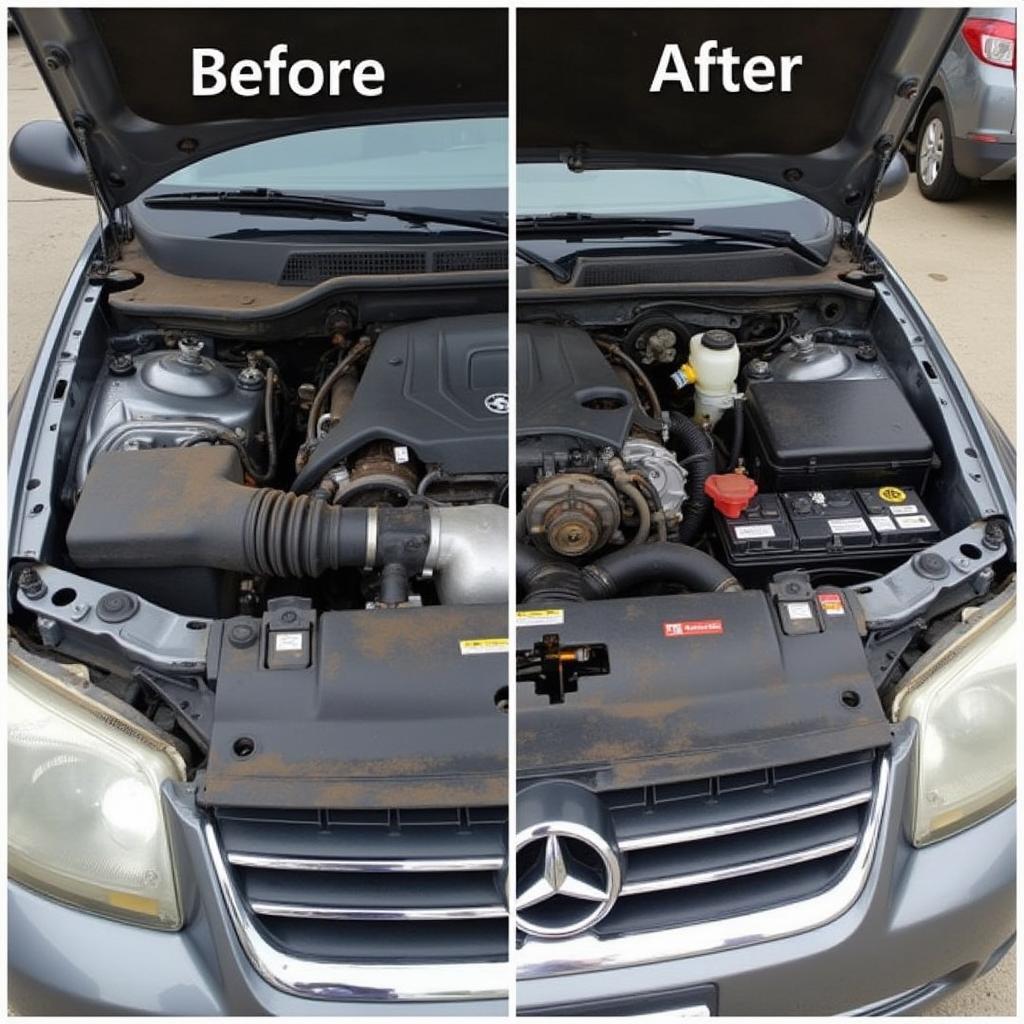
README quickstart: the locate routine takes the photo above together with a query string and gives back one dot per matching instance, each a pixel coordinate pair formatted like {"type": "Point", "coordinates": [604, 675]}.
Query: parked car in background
{"type": "Point", "coordinates": [967, 129]}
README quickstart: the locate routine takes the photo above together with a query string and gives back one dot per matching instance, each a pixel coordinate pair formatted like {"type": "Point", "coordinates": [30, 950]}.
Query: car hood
{"type": "Point", "coordinates": [862, 75]}
{"type": "Point", "coordinates": [127, 76]}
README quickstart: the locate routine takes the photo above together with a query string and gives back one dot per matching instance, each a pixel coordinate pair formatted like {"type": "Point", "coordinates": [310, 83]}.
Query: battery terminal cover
{"type": "Point", "coordinates": [730, 492]}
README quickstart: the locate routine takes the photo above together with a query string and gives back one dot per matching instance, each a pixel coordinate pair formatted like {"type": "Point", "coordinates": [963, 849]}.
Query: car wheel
{"type": "Point", "coordinates": [937, 178]}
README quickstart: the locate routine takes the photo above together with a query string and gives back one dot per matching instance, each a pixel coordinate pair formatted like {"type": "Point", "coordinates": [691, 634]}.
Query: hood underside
{"type": "Point", "coordinates": [128, 76]}
{"type": "Point", "coordinates": [851, 97]}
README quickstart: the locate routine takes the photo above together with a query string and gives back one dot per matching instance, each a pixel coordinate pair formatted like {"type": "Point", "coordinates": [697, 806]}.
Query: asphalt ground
{"type": "Point", "coordinates": [958, 259]}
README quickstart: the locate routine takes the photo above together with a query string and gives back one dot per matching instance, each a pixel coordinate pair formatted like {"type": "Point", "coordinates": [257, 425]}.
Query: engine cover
{"type": "Point", "coordinates": [566, 387]}
{"type": "Point", "coordinates": [438, 386]}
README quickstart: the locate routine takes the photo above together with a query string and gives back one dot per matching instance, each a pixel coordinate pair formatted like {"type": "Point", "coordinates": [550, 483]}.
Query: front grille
{"type": "Point", "coordinates": [398, 886]}
{"type": "Point", "coordinates": [310, 268]}
{"type": "Point", "coordinates": [729, 845]}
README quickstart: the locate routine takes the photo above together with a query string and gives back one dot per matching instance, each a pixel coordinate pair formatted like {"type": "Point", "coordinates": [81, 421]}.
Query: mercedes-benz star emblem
{"type": "Point", "coordinates": [567, 879]}
{"type": "Point", "coordinates": [497, 403]}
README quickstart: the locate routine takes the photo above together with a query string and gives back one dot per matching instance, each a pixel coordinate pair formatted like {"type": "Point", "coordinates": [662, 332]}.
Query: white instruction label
{"type": "Point", "coordinates": [883, 524]}
{"type": "Point", "coordinates": [799, 610]}
{"type": "Point", "coordinates": [540, 617]}
{"type": "Point", "coordinates": [754, 532]}
{"type": "Point", "coordinates": [903, 510]}
{"type": "Point", "coordinates": [401, 453]}
{"type": "Point", "coordinates": [914, 522]}
{"type": "Point", "coordinates": [852, 525]}
{"type": "Point", "coordinates": [287, 641]}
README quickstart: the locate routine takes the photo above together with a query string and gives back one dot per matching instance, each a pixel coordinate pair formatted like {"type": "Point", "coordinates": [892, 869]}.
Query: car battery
{"type": "Point", "coordinates": [794, 529]}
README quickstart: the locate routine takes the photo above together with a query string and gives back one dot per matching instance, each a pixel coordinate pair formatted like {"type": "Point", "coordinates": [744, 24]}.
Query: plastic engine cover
{"type": "Point", "coordinates": [438, 386]}
{"type": "Point", "coordinates": [683, 687]}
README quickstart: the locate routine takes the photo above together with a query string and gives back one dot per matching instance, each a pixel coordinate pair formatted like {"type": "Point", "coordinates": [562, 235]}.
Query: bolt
{"type": "Point", "coordinates": [242, 635]}
{"type": "Point", "coordinates": [190, 352]}
{"type": "Point", "coordinates": [31, 583]}
{"type": "Point", "coordinates": [116, 606]}
{"type": "Point", "coordinates": [251, 378]}
{"type": "Point", "coordinates": [931, 565]}
{"type": "Point", "coordinates": [121, 364]}
{"type": "Point", "coordinates": [288, 616]}
{"type": "Point", "coordinates": [907, 89]}
{"type": "Point", "coordinates": [994, 537]}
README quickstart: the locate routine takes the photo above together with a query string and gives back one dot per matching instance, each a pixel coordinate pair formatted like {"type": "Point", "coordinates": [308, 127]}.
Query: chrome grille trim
{"type": "Point", "coordinates": [331, 913]}
{"type": "Point", "coordinates": [366, 982]}
{"type": "Point", "coordinates": [352, 864]}
{"type": "Point", "coordinates": [726, 828]}
{"type": "Point", "coordinates": [590, 952]}
{"type": "Point", "coordinates": [752, 867]}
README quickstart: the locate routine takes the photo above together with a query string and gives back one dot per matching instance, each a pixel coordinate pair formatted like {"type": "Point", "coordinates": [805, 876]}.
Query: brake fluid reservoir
{"type": "Point", "coordinates": [715, 362]}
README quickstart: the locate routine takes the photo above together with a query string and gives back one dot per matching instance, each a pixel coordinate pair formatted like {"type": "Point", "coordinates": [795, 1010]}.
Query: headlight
{"type": "Point", "coordinates": [963, 695]}
{"type": "Point", "coordinates": [84, 819]}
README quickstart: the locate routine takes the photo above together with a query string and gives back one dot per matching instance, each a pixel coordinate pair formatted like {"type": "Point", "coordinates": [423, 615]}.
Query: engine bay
{"type": "Point", "coordinates": [708, 449]}
{"type": "Point", "coordinates": [212, 477]}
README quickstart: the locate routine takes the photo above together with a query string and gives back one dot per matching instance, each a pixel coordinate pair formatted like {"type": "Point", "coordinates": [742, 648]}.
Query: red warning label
{"type": "Point", "coordinates": [693, 627]}
{"type": "Point", "coordinates": [831, 604]}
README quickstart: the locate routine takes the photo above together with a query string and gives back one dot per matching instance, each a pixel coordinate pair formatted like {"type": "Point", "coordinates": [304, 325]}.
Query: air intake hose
{"type": "Point", "coordinates": [174, 507]}
{"type": "Point", "coordinates": [540, 580]}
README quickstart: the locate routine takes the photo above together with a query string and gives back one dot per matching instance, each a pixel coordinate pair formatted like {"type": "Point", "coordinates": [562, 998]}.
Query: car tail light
{"type": "Point", "coordinates": [992, 40]}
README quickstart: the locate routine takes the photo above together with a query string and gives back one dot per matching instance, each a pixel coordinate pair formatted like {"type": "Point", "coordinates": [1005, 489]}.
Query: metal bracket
{"type": "Point", "coordinates": [956, 568]}
{"type": "Point", "coordinates": [79, 612]}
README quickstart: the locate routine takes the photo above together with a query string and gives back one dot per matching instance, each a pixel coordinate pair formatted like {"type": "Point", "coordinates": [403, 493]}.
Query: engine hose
{"type": "Point", "coordinates": [643, 485]}
{"type": "Point", "coordinates": [689, 439]}
{"type": "Point", "coordinates": [271, 430]}
{"type": "Point", "coordinates": [629, 490]}
{"type": "Point", "coordinates": [626, 569]}
{"type": "Point", "coordinates": [542, 580]}
{"type": "Point", "coordinates": [736, 448]}
{"type": "Point", "coordinates": [344, 365]}
{"type": "Point", "coordinates": [615, 353]}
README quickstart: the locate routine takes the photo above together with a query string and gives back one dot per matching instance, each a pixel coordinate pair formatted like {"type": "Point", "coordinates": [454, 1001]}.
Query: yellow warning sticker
{"type": "Point", "coordinates": [485, 645]}
{"type": "Point", "coordinates": [893, 495]}
{"type": "Point", "coordinates": [540, 617]}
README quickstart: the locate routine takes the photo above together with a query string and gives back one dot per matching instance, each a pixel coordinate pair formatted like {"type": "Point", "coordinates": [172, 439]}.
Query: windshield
{"type": "Point", "coordinates": [706, 196]}
{"type": "Point", "coordinates": [450, 156]}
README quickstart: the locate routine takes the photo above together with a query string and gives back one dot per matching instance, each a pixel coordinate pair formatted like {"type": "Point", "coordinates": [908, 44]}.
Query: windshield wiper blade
{"type": "Point", "coordinates": [583, 225]}
{"type": "Point", "coordinates": [270, 203]}
{"type": "Point", "coordinates": [254, 195]}
{"type": "Point", "coordinates": [777, 237]}
{"type": "Point", "coordinates": [557, 224]}
{"type": "Point", "coordinates": [556, 270]}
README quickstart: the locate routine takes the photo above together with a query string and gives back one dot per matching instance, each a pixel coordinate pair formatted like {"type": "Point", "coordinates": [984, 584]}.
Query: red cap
{"type": "Point", "coordinates": [731, 492]}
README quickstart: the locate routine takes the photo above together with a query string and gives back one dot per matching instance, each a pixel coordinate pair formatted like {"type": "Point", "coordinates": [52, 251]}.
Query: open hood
{"type": "Point", "coordinates": [126, 77]}
{"type": "Point", "coordinates": [585, 93]}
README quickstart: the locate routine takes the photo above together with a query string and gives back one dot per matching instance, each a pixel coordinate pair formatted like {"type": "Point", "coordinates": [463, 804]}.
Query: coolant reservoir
{"type": "Point", "coordinates": [715, 362]}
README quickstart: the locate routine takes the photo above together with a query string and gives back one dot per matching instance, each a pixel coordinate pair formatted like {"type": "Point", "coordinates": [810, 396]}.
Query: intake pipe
{"type": "Point", "coordinates": [187, 507]}
{"type": "Point", "coordinates": [540, 580]}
